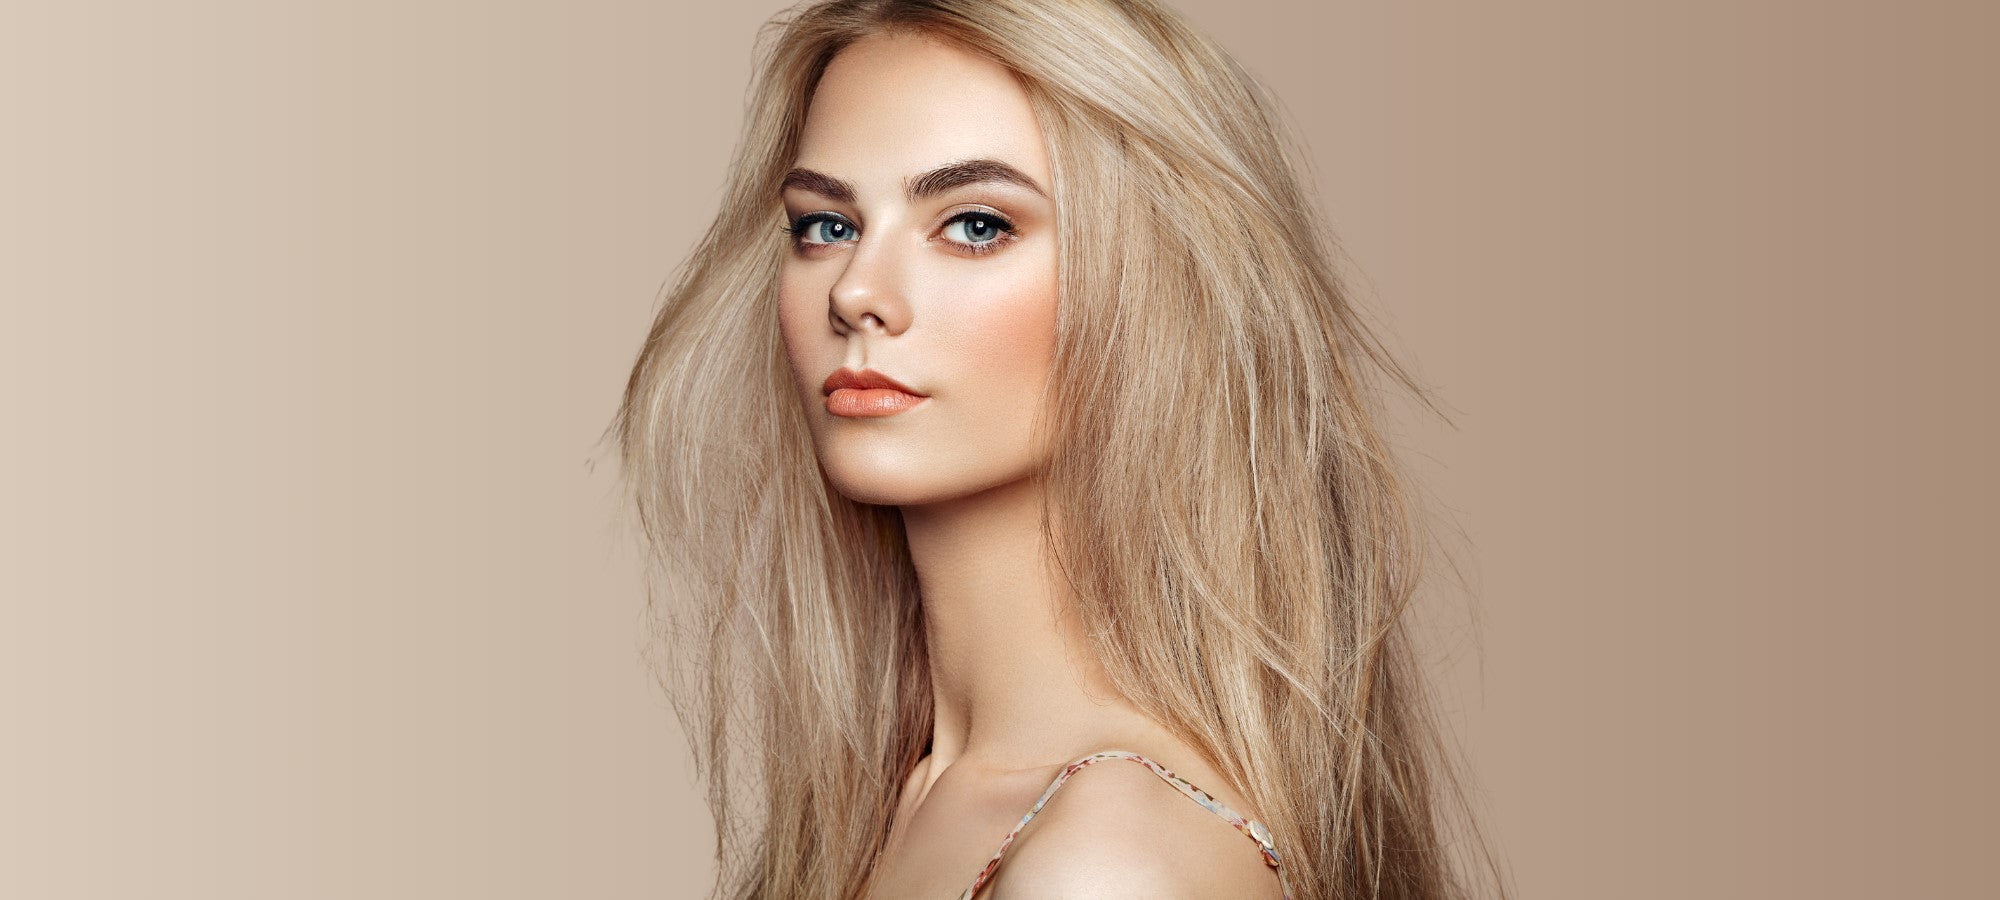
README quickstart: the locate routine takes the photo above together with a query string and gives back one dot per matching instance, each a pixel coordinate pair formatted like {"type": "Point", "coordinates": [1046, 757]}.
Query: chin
{"type": "Point", "coordinates": [892, 485]}
{"type": "Point", "coordinates": [908, 482]}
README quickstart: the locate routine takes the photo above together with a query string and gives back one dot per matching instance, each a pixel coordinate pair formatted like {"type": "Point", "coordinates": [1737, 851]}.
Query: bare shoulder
{"type": "Point", "coordinates": [1116, 829]}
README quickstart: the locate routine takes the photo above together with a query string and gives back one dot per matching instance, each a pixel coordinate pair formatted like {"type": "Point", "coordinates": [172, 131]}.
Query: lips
{"type": "Point", "coordinates": [867, 393]}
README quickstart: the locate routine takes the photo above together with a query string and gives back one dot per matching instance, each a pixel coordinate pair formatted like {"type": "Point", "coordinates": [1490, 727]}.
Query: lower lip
{"type": "Point", "coordinates": [870, 402]}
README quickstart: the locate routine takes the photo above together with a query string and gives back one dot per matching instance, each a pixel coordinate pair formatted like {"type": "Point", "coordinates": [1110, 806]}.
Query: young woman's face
{"type": "Point", "coordinates": [924, 251]}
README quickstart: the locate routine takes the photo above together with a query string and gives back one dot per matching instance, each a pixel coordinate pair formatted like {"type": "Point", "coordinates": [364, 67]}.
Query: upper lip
{"type": "Point", "coordinates": [866, 378]}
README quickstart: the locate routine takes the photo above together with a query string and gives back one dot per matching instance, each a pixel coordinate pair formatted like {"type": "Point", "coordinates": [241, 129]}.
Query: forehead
{"type": "Point", "coordinates": [892, 105]}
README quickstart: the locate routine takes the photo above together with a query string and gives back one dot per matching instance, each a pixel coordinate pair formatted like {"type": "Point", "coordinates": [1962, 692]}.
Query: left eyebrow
{"type": "Point", "coordinates": [971, 171]}
{"type": "Point", "coordinates": [928, 184]}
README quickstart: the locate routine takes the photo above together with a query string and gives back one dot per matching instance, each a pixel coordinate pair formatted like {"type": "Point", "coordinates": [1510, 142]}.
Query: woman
{"type": "Point", "coordinates": [1032, 451]}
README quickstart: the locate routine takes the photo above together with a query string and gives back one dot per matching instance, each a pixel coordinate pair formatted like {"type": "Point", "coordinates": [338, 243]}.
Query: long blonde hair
{"type": "Point", "coordinates": [1220, 496]}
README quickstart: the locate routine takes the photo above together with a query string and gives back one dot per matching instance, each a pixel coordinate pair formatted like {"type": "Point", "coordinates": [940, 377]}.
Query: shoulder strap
{"type": "Point", "coordinates": [1253, 829]}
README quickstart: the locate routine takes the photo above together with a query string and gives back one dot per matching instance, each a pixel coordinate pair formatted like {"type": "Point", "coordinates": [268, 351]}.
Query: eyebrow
{"type": "Point", "coordinates": [927, 184]}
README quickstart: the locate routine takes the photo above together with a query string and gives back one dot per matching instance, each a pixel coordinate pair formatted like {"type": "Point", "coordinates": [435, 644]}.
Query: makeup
{"type": "Point", "coordinates": [867, 393]}
{"type": "Point", "coordinates": [854, 402]}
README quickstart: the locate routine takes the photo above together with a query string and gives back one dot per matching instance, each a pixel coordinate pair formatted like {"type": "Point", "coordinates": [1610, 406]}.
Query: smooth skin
{"type": "Point", "coordinates": [954, 295]}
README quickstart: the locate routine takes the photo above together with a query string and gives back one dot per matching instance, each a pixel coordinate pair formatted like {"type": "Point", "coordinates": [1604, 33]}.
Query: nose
{"type": "Point", "coordinates": [868, 293]}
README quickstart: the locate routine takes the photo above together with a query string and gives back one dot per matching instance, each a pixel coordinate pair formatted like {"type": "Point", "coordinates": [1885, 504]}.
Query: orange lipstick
{"type": "Point", "coordinates": [867, 393]}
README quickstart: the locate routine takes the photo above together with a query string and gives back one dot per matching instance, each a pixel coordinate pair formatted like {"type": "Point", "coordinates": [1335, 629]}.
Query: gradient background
{"type": "Point", "coordinates": [313, 311]}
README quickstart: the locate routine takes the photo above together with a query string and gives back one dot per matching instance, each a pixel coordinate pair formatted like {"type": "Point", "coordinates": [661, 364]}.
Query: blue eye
{"type": "Point", "coordinates": [977, 228]}
{"type": "Point", "coordinates": [821, 228]}
{"type": "Point", "coordinates": [978, 232]}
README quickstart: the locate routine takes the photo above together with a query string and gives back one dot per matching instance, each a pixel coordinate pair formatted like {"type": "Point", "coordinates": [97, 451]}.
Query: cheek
{"type": "Point", "coordinates": [1004, 325]}
{"type": "Point", "coordinates": [1006, 329]}
{"type": "Point", "coordinates": [800, 322]}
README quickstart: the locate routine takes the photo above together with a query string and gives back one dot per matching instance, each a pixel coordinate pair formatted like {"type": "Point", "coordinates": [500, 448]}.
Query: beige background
{"type": "Point", "coordinates": [313, 311]}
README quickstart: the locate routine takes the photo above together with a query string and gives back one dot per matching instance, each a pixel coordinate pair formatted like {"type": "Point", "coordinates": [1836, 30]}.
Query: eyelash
{"type": "Point", "coordinates": [1008, 234]}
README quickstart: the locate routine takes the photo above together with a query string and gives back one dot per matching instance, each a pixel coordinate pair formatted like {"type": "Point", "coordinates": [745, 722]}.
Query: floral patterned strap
{"type": "Point", "coordinates": [1253, 829]}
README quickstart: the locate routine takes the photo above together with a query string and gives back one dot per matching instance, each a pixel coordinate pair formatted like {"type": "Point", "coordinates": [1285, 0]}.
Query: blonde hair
{"type": "Point", "coordinates": [1243, 561]}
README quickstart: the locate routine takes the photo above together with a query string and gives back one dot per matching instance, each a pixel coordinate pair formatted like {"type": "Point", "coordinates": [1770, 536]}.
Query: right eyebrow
{"type": "Point", "coordinates": [820, 183]}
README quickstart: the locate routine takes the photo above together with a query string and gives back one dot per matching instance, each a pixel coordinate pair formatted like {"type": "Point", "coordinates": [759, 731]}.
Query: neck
{"type": "Point", "coordinates": [1015, 684]}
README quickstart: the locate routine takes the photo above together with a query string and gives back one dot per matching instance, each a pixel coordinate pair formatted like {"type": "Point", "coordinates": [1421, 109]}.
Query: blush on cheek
{"type": "Point", "coordinates": [1019, 337]}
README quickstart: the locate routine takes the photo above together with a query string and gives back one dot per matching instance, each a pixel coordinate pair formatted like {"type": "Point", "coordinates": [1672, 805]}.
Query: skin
{"type": "Point", "coordinates": [886, 283]}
